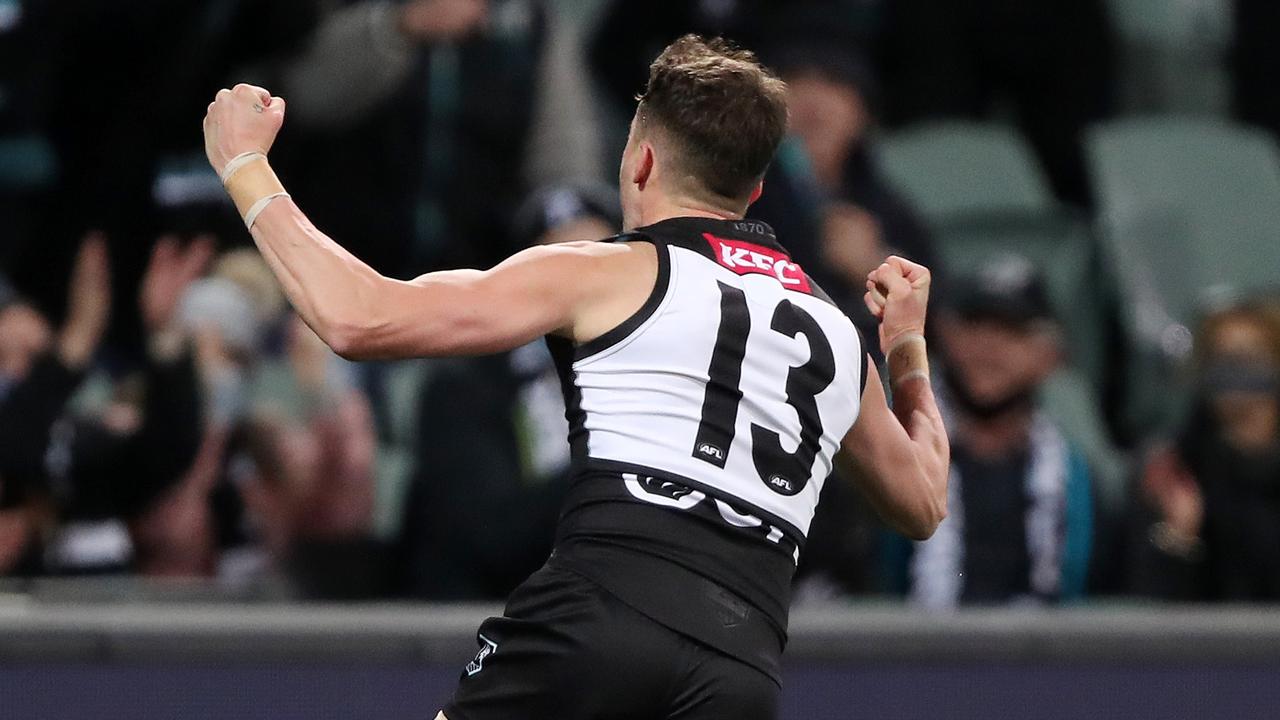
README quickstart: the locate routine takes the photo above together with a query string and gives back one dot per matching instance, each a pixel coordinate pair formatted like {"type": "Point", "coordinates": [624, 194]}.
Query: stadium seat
{"type": "Point", "coordinates": [1187, 205]}
{"type": "Point", "coordinates": [953, 168]}
{"type": "Point", "coordinates": [1172, 55]}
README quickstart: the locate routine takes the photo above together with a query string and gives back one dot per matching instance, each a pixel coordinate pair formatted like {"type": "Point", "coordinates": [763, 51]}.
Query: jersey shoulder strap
{"type": "Point", "coordinates": [646, 311]}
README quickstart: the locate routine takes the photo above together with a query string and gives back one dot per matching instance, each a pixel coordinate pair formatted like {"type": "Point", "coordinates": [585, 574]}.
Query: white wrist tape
{"type": "Point", "coordinates": [238, 162]}
{"type": "Point", "coordinates": [256, 209]}
{"type": "Point", "coordinates": [919, 374]}
{"type": "Point", "coordinates": [903, 340]}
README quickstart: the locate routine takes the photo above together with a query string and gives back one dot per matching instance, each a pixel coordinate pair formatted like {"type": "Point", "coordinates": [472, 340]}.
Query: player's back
{"type": "Point", "coordinates": [703, 429]}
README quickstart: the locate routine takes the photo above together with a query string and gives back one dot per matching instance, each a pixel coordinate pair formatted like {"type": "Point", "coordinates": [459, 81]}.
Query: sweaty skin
{"type": "Point", "coordinates": [579, 290]}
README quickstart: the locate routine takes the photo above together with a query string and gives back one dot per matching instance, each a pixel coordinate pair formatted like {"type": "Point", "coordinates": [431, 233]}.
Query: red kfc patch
{"type": "Point", "coordinates": [748, 258]}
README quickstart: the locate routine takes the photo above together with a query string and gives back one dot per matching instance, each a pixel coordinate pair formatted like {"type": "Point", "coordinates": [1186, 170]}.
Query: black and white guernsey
{"type": "Point", "coordinates": [703, 429]}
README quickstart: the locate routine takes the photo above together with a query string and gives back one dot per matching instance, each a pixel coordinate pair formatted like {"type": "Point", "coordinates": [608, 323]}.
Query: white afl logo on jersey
{"type": "Point", "coordinates": [741, 383]}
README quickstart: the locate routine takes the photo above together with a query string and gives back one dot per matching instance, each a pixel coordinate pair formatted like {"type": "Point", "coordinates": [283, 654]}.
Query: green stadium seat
{"type": "Point", "coordinates": [953, 168]}
{"type": "Point", "coordinates": [1172, 55]}
{"type": "Point", "coordinates": [1187, 205]}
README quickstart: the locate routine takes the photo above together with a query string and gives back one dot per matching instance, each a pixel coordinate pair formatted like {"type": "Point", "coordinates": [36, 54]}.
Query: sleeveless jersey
{"type": "Point", "coordinates": [703, 428]}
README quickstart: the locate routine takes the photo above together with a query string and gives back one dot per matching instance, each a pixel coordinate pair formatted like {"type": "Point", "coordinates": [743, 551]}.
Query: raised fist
{"type": "Point", "coordinates": [244, 119]}
{"type": "Point", "coordinates": [898, 296]}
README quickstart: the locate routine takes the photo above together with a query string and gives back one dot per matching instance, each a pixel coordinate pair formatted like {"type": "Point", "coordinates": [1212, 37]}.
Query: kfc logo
{"type": "Point", "coordinates": [744, 257]}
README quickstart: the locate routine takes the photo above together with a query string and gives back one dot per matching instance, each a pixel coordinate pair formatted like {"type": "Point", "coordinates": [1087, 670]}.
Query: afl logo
{"type": "Point", "coordinates": [711, 451]}
{"type": "Point", "coordinates": [781, 484]}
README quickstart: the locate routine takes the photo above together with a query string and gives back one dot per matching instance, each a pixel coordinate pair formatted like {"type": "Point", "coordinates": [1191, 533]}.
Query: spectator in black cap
{"type": "Point", "coordinates": [492, 459]}
{"type": "Point", "coordinates": [1020, 522]}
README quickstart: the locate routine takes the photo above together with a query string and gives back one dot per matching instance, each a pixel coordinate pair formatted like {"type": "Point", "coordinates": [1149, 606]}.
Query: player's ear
{"type": "Point", "coordinates": [756, 192]}
{"type": "Point", "coordinates": [644, 166]}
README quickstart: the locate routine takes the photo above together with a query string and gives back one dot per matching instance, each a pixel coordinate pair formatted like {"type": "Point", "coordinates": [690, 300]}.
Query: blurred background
{"type": "Point", "coordinates": [205, 513]}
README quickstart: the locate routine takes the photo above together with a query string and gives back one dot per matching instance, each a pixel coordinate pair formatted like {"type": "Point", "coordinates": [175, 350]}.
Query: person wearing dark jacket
{"type": "Point", "coordinates": [1209, 526]}
{"type": "Point", "coordinates": [493, 462]}
{"type": "Point", "coordinates": [87, 472]}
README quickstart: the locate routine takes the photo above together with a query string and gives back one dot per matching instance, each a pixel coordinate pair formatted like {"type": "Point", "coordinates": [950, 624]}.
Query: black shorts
{"type": "Point", "coordinates": [566, 649]}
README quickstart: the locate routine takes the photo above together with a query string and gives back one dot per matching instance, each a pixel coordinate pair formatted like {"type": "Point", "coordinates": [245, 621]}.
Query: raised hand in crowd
{"type": "Point", "coordinates": [171, 270]}
{"type": "Point", "coordinates": [1172, 490]}
{"type": "Point", "coordinates": [88, 304]}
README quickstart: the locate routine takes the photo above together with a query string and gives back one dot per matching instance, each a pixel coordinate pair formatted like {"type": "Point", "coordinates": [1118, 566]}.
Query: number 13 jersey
{"type": "Point", "coordinates": [702, 430]}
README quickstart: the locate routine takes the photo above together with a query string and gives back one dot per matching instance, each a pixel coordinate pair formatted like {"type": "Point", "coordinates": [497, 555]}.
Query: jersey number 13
{"type": "Point", "coordinates": [786, 473]}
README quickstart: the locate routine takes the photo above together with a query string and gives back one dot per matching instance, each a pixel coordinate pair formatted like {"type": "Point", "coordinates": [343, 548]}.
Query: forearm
{"type": "Point", "coordinates": [327, 285]}
{"type": "Point", "coordinates": [914, 404]}
{"type": "Point", "coordinates": [900, 462]}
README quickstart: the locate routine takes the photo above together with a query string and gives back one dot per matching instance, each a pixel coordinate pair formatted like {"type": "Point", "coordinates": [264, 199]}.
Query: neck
{"type": "Point", "coordinates": [666, 208]}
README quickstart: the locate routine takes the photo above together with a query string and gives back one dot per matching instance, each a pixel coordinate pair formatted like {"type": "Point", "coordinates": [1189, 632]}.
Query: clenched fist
{"type": "Point", "coordinates": [244, 119]}
{"type": "Point", "coordinates": [898, 295]}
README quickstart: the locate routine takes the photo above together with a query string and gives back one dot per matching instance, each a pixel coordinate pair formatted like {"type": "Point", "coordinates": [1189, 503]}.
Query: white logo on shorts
{"type": "Point", "coordinates": [487, 648]}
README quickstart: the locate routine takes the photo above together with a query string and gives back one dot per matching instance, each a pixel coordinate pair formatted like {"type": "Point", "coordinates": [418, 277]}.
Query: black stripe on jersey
{"type": "Point", "coordinates": [562, 353]}
{"type": "Point", "coordinates": [866, 357]}
{"type": "Point", "coordinates": [613, 466]}
{"type": "Point", "coordinates": [629, 326]}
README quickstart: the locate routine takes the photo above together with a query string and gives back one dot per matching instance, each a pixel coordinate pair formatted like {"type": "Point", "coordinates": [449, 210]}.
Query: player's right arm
{"type": "Point", "coordinates": [578, 290]}
{"type": "Point", "coordinates": [900, 457]}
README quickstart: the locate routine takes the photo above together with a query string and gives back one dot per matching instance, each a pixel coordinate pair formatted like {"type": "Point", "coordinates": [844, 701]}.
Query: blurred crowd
{"type": "Point", "coordinates": [164, 414]}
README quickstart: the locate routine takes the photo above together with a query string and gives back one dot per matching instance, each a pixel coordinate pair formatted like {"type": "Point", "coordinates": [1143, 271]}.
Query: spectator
{"type": "Point", "coordinates": [492, 452]}
{"type": "Point", "coordinates": [185, 533]}
{"type": "Point", "coordinates": [280, 499]}
{"type": "Point", "coordinates": [1211, 527]}
{"type": "Point", "coordinates": [306, 481]}
{"type": "Point", "coordinates": [422, 122]}
{"type": "Point", "coordinates": [1020, 516]}
{"type": "Point", "coordinates": [93, 471]}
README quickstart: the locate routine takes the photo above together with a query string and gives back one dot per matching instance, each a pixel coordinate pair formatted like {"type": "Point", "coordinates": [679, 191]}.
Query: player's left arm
{"type": "Point", "coordinates": [360, 313]}
{"type": "Point", "coordinates": [899, 457]}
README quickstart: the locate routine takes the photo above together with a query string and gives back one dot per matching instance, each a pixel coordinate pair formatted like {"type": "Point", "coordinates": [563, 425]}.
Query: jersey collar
{"type": "Point", "coordinates": [754, 231]}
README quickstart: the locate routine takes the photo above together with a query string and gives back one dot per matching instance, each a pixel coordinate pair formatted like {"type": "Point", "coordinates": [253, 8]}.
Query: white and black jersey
{"type": "Point", "coordinates": [703, 429]}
